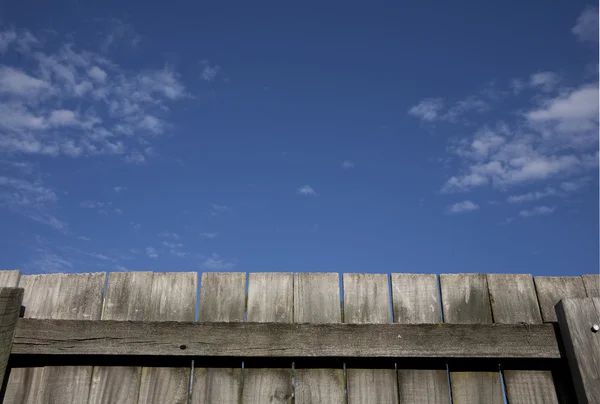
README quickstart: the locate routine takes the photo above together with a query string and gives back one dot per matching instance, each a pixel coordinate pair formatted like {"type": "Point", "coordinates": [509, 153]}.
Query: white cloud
{"type": "Point", "coordinates": [209, 73]}
{"type": "Point", "coordinates": [97, 74]}
{"type": "Point", "coordinates": [117, 32]}
{"type": "Point", "coordinates": [434, 109]}
{"type": "Point", "coordinates": [586, 28]}
{"type": "Point", "coordinates": [151, 253]}
{"type": "Point", "coordinates": [118, 211]}
{"type": "Point", "coordinates": [537, 211]}
{"type": "Point", "coordinates": [464, 206]}
{"type": "Point", "coordinates": [306, 190]}
{"type": "Point", "coordinates": [346, 164]}
{"type": "Point", "coordinates": [135, 157]}
{"type": "Point", "coordinates": [546, 81]}
{"type": "Point", "coordinates": [532, 196]}
{"type": "Point", "coordinates": [119, 188]}
{"type": "Point", "coordinates": [62, 117]}
{"type": "Point", "coordinates": [575, 185]}
{"type": "Point", "coordinates": [6, 39]}
{"type": "Point", "coordinates": [166, 234]}
{"type": "Point", "coordinates": [83, 238]}
{"type": "Point", "coordinates": [91, 204]}
{"type": "Point", "coordinates": [215, 262]}
{"type": "Point", "coordinates": [18, 83]}
{"type": "Point", "coordinates": [428, 109]}
{"type": "Point", "coordinates": [208, 235]}
{"type": "Point", "coordinates": [215, 209]}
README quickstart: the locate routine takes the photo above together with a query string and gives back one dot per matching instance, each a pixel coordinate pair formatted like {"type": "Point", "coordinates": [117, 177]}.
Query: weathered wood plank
{"type": "Point", "coordinates": [465, 300]}
{"type": "Point", "coordinates": [270, 299]}
{"type": "Point", "coordinates": [514, 300]}
{"type": "Point", "coordinates": [26, 385]}
{"type": "Point", "coordinates": [268, 340]}
{"type": "Point", "coordinates": [222, 300]}
{"type": "Point", "coordinates": [592, 285]}
{"type": "Point", "coordinates": [80, 297]}
{"type": "Point", "coordinates": [127, 298]}
{"type": "Point", "coordinates": [9, 278]}
{"type": "Point", "coordinates": [317, 300]}
{"type": "Point", "coordinates": [582, 345]}
{"type": "Point", "coordinates": [551, 289]}
{"type": "Point", "coordinates": [10, 308]}
{"type": "Point", "coordinates": [367, 301]}
{"type": "Point", "coordinates": [415, 301]}
{"type": "Point", "coordinates": [173, 297]}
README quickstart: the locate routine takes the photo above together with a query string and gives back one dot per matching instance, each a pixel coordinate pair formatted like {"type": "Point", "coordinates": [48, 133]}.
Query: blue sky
{"type": "Point", "coordinates": [419, 137]}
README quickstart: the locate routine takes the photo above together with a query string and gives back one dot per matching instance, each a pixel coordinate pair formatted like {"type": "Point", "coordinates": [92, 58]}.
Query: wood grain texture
{"type": "Point", "coordinates": [127, 298]}
{"type": "Point", "coordinates": [172, 297]}
{"type": "Point", "coordinates": [268, 340]}
{"type": "Point", "coordinates": [367, 301]}
{"type": "Point", "coordinates": [465, 300]}
{"type": "Point", "coordinates": [551, 289]}
{"type": "Point", "coordinates": [222, 299]}
{"type": "Point", "coordinates": [529, 387]}
{"type": "Point", "coordinates": [10, 308]}
{"type": "Point", "coordinates": [270, 299]}
{"type": "Point", "coordinates": [582, 346]}
{"type": "Point", "coordinates": [514, 300]}
{"type": "Point", "coordinates": [415, 301]}
{"type": "Point", "coordinates": [317, 300]}
{"type": "Point", "coordinates": [9, 278]}
{"type": "Point", "coordinates": [26, 385]}
{"type": "Point", "coordinates": [592, 285]}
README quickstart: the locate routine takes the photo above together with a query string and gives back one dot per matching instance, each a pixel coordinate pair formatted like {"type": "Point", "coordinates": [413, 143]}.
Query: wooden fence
{"type": "Point", "coordinates": [143, 337]}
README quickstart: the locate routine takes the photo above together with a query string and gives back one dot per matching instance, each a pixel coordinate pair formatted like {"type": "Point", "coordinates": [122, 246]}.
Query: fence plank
{"type": "Point", "coordinates": [317, 300]}
{"type": "Point", "coordinates": [127, 298]}
{"type": "Point", "coordinates": [514, 301]}
{"type": "Point", "coordinates": [415, 301]}
{"type": "Point", "coordinates": [173, 297]}
{"type": "Point", "coordinates": [10, 307]}
{"type": "Point", "coordinates": [465, 300]}
{"type": "Point", "coordinates": [367, 301]}
{"type": "Point", "coordinates": [222, 299]}
{"type": "Point", "coordinates": [551, 289]}
{"type": "Point", "coordinates": [26, 385]}
{"type": "Point", "coordinates": [9, 278]}
{"type": "Point", "coordinates": [270, 299]}
{"type": "Point", "coordinates": [582, 345]}
{"type": "Point", "coordinates": [592, 285]}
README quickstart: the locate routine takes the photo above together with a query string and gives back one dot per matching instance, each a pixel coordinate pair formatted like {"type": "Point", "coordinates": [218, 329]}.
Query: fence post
{"type": "Point", "coordinates": [10, 307]}
{"type": "Point", "coordinates": [579, 324]}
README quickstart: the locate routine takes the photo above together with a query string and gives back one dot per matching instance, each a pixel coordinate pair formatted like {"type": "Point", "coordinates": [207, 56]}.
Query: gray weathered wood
{"type": "Point", "coordinates": [317, 300]}
{"type": "Point", "coordinates": [26, 385]}
{"type": "Point", "coordinates": [529, 387]}
{"type": "Point", "coordinates": [592, 285]}
{"type": "Point", "coordinates": [465, 300]}
{"type": "Point", "coordinates": [270, 299]}
{"type": "Point", "coordinates": [514, 301]}
{"type": "Point", "coordinates": [582, 346]}
{"type": "Point", "coordinates": [79, 298]}
{"type": "Point", "coordinates": [222, 300]}
{"type": "Point", "coordinates": [173, 297]}
{"type": "Point", "coordinates": [367, 301]}
{"type": "Point", "coordinates": [127, 298]}
{"type": "Point", "coordinates": [9, 278]}
{"type": "Point", "coordinates": [415, 301]}
{"type": "Point", "coordinates": [551, 289]}
{"type": "Point", "coordinates": [10, 308]}
{"type": "Point", "coordinates": [112, 338]}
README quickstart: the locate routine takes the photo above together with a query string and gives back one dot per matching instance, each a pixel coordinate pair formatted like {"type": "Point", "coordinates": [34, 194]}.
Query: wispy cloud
{"type": "Point", "coordinates": [463, 207]}
{"type": "Point", "coordinates": [175, 249]}
{"type": "Point", "coordinates": [586, 28]}
{"type": "Point", "coordinates": [532, 196]}
{"type": "Point", "coordinates": [208, 235]}
{"type": "Point", "coordinates": [546, 81]}
{"type": "Point", "coordinates": [119, 188]}
{"type": "Point", "coordinates": [537, 211]}
{"type": "Point", "coordinates": [209, 73]}
{"type": "Point", "coordinates": [215, 262]}
{"type": "Point", "coordinates": [151, 253]}
{"type": "Point", "coordinates": [428, 109]}
{"type": "Point", "coordinates": [168, 234]}
{"type": "Point", "coordinates": [346, 165]}
{"type": "Point", "coordinates": [435, 109]}
{"type": "Point", "coordinates": [116, 33]}
{"type": "Point", "coordinates": [83, 238]}
{"type": "Point", "coordinates": [306, 190]}
{"type": "Point", "coordinates": [215, 209]}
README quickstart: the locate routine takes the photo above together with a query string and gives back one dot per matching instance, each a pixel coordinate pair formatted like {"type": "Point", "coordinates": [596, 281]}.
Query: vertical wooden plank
{"type": "Point", "coordinates": [592, 285]}
{"type": "Point", "coordinates": [172, 298]}
{"type": "Point", "coordinates": [582, 345]}
{"type": "Point", "coordinates": [514, 300]}
{"type": "Point", "coordinates": [127, 298]}
{"type": "Point", "coordinates": [367, 300]}
{"type": "Point", "coordinates": [415, 301]}
{"type": "Point", "coordinates": [222, 299]}
{"type": "Point", "coordinates": [317, 300]}
{"type": "Point", "coordinates": [465, 300]}
{"type": "Point", "coordinates": [9, 278]}
{"type": "Point", "coordinates": [551, 289]}
{"type": "Point", "coordinates": [270, 299]}
{"type": "Point", "coordinates": [40, 294]}
{"type": "Point", "coordinates": [10, 307]}
{"type": "Point", "coordinates": [80, 297]}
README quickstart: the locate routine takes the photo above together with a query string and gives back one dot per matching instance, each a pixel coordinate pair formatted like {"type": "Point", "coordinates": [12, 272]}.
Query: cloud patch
{"type": "Point", "coordinates": [306, 190]}
{"type": "Point", "coordinates": [463, 207]}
